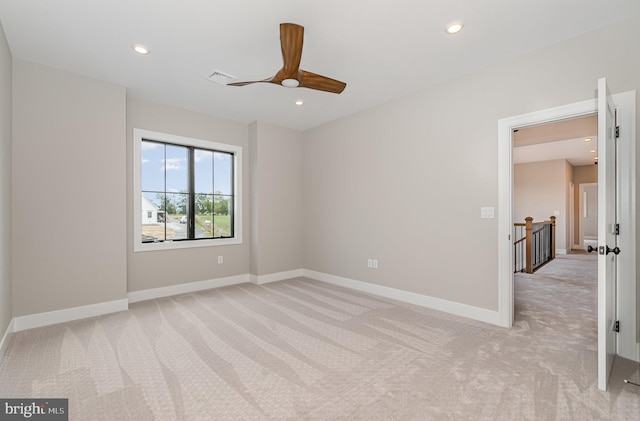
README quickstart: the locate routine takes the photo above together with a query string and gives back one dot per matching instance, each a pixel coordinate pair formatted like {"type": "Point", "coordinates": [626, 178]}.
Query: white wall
{"type": "Point", "coordinates": [404, 182]}
{"type": "Point", "coordinates": [539, 189]}
{"type": "Point", "coordinates": [68, 190]}
{"type": "Point", "coordinates": [396, 184]}
{"type": "Point", "coordinates": [5, 184]}
{"type": "Point", "coordinates": [276, 199]}
{"type": "Point", "coordinates": [591, 220]}
{"type": "Point", "coordinates": [155, 269]}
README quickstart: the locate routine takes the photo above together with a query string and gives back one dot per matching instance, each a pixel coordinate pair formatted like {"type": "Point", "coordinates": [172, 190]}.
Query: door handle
{"type": "Point", "coordinates": [615, 250]}
{"type": "Point", "coordinates": [590, 249]}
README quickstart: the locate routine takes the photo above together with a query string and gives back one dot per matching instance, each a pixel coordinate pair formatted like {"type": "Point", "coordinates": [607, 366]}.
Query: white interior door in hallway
{"type": "Point", "coordinates": [626, 296]}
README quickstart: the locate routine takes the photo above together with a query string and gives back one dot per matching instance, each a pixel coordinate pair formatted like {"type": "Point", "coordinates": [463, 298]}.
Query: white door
{"type": "Point", "coordinates": [607, 247]}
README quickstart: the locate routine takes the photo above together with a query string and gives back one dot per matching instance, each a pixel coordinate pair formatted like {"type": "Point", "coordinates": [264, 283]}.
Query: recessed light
{"type": "Point", "coordinates": [454, 27]}
{"type": "Point", "coordinates": [593, 151]}
{"type": "Point", "coordinates": [595, 158]}
{"type": "Point", "coordinates": [299, 102]}
{"type": "Point", "coordinates": [588, 139]}
{"type": "Point", "coordinates": [140, 49]}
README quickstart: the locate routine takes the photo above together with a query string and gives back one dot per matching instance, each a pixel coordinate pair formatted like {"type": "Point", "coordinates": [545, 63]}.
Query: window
{"type": "Point", "coordinates": [187, 192]}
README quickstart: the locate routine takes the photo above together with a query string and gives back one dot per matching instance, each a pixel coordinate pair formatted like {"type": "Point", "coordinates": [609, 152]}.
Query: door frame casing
{"type": "Point", "coordinates": [626, 103]}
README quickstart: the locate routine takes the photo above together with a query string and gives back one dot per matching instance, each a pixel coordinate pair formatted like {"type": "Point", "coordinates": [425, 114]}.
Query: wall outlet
{"type": "Point", "coordinates": [369, 263]}
{"type": "Point", "coordinates": [220, 259]}
{"type": "Point", "coordinates": [375, 263]}
{"type": "Point", "coordinates": [487, 212]}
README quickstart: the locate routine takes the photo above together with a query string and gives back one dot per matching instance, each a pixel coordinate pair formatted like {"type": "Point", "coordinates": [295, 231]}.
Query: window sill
{"type": "Point", "coordinates": [174, 245]}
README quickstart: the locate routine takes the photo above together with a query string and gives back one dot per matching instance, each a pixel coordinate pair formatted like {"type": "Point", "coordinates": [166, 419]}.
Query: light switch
{"type": "Point", "coordinates": [486, 213]}
{"type": "Point", "coordinates": [556, 213]}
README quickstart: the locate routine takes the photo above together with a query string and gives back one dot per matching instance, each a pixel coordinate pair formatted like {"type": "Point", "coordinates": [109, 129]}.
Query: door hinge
{"type": "Point", "coordinates": [617, 132]}
{"type": "Point", "coordinates": [617, 229]}
{"type": "Point", "coordinates": [617, 326]}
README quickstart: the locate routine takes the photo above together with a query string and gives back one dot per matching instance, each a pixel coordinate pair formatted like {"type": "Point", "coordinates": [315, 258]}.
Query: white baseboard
{"type": "Point", "coordinates": [76, 313]}
{"type": "Point", "coordinates": [4, 342]}
{"type": "Point", "coordinates": [150, 294]}
{"type": "Point", "coordinates": [66, 315]}
{"type": "Point", "coordinates": [463, 310]}
{"type": "Point", "coordinates": [561, 251]}
{"type": "Point", "coordinates": [279, 276]}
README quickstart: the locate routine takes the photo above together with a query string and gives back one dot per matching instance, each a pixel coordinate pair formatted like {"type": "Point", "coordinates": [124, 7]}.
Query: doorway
{"type": "Point", "coordinates": [548, 160]}
{"type": "Point", "coordinates": [627, 345]}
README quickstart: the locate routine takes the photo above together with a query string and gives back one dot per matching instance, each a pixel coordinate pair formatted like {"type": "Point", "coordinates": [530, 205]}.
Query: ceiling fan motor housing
{"type": "Point", "coordinates": [290, 83]}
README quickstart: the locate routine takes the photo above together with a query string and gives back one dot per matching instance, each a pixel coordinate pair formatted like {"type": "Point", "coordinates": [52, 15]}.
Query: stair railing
{"type": "Point", "coordinates": [534, 244]}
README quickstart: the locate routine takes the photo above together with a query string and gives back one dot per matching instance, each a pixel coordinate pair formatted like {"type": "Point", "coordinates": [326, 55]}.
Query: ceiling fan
{"type": "Point", "coordinates": [291, 76]}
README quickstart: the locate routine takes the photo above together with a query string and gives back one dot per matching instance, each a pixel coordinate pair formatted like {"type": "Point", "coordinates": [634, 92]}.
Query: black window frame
{"type": "Point", "coordinates": [191, 194]}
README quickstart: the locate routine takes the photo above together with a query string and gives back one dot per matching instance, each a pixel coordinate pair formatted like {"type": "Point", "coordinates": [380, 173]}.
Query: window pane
{"type": "Point", "coordinates": [152, 166]}
{"type": "Point", "coordinates": [152, 217]}
{"type": "Point", "coordinates": [223, 173]}
{"type": "Point", "coordinates": [203, 171]}
{"type": "Point", "coordinates": [179, 181]}
{"type": "Point", "coordinates": [176, 216]}
{"type": "Point", "coordinates": [176, 166]}
{"type": "Point", "coordinates": [204, 215]}
{"type": "Point", "coordinates": [223, 208]}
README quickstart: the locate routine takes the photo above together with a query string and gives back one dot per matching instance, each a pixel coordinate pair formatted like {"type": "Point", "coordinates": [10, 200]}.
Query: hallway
{"type": "Point", "coordinates": [561, 299]}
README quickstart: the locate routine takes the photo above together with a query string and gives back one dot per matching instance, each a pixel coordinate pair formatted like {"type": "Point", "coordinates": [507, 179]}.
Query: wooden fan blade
{"type": "Point", "coordinates": [320, 83]}
{"type": "Point", "coordinates": [245, 83]}
{"type": "Point", "coordinates": [270, 80]}
{"type": "Point", "coordinates": [291, 37]}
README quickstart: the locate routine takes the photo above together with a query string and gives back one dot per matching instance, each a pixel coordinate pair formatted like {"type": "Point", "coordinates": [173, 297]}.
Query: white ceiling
{"type": "Point", "coordinates": [576, 151]}
{"type": "Point", "coordinates": [564, 139]}
{"type": "Point", "coordinates": [382, 49]}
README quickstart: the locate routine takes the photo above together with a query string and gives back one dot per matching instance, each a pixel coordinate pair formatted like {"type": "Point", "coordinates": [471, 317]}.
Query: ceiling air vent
{"type": "Point", "coordinates": [221, 77]}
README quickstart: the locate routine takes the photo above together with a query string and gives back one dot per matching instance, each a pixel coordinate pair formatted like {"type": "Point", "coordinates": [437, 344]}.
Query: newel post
{"type": "Point", "coordinates": [553, 237]}
{"type": "Point", "coordinates": [529, 243]}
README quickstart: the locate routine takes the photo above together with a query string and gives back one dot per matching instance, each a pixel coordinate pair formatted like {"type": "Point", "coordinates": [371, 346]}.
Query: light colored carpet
{"type": "Point", "coordinates": [303, 350]}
